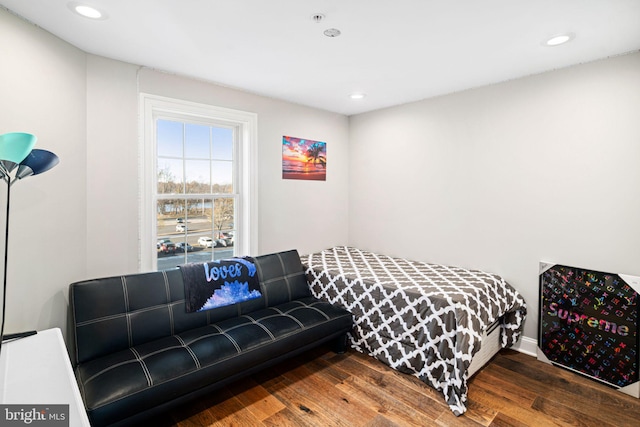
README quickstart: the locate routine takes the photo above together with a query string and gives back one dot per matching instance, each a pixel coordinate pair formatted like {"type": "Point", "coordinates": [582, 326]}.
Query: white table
{"type": "Point", "coordinates": [36, 370]}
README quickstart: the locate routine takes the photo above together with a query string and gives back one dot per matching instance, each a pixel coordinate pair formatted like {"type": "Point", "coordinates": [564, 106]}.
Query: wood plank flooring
{"type": "Point", "coordinates": [321, 388]}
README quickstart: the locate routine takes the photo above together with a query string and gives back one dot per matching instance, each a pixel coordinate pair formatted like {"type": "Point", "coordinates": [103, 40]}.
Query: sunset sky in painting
{"type": "Point", "coordinates": [295, 149]}
{"type": "Point", "coordinates": [298, 164]}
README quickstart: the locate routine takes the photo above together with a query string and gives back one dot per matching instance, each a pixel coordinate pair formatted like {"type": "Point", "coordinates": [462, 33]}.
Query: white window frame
{"type": "Point", "coordinates": [153, 107]}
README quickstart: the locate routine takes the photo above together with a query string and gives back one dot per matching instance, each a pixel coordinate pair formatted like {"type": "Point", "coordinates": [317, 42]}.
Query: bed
{"type": "Point", "coordinates": [436, 322]}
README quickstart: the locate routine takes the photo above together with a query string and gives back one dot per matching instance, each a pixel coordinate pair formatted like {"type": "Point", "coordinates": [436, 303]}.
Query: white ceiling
{"type": "Point", "coordinates": [395, 51]}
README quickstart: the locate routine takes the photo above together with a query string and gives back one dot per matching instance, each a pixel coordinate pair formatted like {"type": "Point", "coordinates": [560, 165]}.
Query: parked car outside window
{"type": "Point", "coordinates": [207, 242]}
{"type": "Point", "coordinates": [184, 247]}
{"type": "Point", "coordinates": [228, 238]}
{"type": "Point", "coordinates": [166, 246]}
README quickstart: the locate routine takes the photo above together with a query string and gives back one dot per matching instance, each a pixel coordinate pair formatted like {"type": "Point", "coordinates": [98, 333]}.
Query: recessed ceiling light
{"type": "Point", "coordinates": [87, 11]}
{"type": "Point", "coordinates": [357, 95]}
{"type": "Point", "coordinates": [559, 39]}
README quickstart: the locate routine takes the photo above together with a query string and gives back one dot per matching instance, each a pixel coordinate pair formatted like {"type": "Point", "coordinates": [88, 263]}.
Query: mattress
{"type": "Point", "coordinates": [426, 320]}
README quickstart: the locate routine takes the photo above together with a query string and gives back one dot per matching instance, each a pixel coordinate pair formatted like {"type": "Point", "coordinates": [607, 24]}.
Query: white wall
{"type": "Point", "coordinates": [80, 220]}
{"type": "Point", "coordinates": [544, 168]}
{"type": "Point", "coordinates": [499, 178]}
{"type": "Point", "coordinates": [42, 91]}
{"type": "Point", "coordinates": [112, 167]}
{"type": "Point", "coordinates": [306, 215]}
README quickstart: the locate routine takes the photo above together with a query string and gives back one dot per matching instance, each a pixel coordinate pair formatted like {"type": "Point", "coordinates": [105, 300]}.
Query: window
{"type": "Point", "coordinates": [198, 183]}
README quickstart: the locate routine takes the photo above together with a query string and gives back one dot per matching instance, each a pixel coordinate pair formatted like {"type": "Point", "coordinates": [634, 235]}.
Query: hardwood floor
{"type": "Point", "coordinates": [321, 388]}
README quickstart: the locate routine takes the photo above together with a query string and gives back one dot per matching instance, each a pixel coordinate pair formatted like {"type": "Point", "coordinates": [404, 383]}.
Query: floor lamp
{"type": "Point", "coordinates": [17, 152]}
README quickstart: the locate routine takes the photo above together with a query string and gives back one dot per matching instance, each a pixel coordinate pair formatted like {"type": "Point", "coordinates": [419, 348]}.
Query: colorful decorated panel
{"type": "Point", "coordinates": [589, 323]}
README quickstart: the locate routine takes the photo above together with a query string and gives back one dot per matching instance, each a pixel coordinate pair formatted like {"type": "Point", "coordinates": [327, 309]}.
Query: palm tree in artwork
{"type": "Point", "coordinates": [315, 153]}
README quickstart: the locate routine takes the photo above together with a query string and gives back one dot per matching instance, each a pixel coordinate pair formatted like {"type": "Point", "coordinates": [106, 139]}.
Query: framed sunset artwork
{"type": "Point", "coordinates": [304, 159]}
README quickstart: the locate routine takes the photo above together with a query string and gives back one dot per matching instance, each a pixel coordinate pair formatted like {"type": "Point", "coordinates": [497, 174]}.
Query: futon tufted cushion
{"type": "Point", "coordinates": [115, 313]}
{"type": "Point", "coordinates": [138, 349]}
{"type": "Point", "coordinates": [175, 365]}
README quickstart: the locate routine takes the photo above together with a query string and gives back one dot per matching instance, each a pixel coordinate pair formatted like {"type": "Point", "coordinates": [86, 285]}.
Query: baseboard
{"type": "Point", "coordinates": [527, 346]}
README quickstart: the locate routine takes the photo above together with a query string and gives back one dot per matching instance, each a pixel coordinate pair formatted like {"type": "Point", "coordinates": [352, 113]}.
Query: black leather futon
{"type": "Point", "coordinates": [138, 352]}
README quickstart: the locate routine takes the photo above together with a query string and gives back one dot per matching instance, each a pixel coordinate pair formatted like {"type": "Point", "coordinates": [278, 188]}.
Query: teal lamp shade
{"type": "Point", "coordinates": [14, 147]}
{"type": "Point", "coordinates": [36, 162]}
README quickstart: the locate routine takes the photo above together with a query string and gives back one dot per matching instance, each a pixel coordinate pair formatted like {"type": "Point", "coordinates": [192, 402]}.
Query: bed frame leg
{"type": "Point", "coordinates": [340, 344]}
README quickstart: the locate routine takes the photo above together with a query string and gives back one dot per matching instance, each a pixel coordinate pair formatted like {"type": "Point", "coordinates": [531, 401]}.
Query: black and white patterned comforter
{"type": "Point", "coordinates": [423, 319]}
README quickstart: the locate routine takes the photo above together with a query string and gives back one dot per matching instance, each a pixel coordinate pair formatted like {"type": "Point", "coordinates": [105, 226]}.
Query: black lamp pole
{"type": "Point", "coordinates": [6, 256]}
{"type": "Point", "coordinates": [16, 150]}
